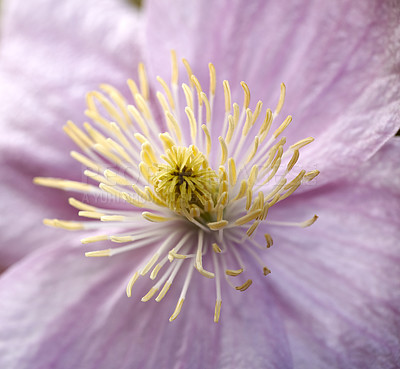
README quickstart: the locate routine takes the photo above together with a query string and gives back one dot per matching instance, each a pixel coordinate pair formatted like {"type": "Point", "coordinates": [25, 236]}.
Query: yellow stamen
{"type": "Point", "coordinates": [188, 95]}
{"type": "Point", "coordinates": [99, 253]}
{"type": "Point", "coordinates": [188, 70]}
{"type": "Point", "coordinates": [224, 150]}
{"type": "Point", "coordinates": [227, 94]}
{"type": "Point", "coordinates": [155, 271]}
{"type": "Point", "coordinates": [144, 87]}
{"type": "Point", "coordinates": [62, 184]}
{"type": "Point", "coordinates": [149, 294]}
{"type": "Point", "coordinates": [131, 283]}
{"type": "Point", "coordinates": [281, 100]}
{"type": "Point", "coordinates": [121, 239]}
{"type": "Point", "coordinates": [193, 123]}
{"type": "Point", "coordinates": [213, 78]}
{"type": "Point", "coordinates": [65, 224]}
{"type": "Point", "coordinates": [163, 291]}
{"type": "Point", "coordinates": [248, 217]}
{"type": "Point", "coordinates": [215, 226]}
{"type": "Point", "coordinates": [80, 205]}
{"type": "Point", "coordinates": [309, 176]}
{"type": "Point", "coordinates": [293, 160]}
{"type": "Point", "coordinates": [198, 88]}
{"type": "Point", "coordinates": [175, 69]}
{"type": "Point", "coordinates": [268, 239]}
{"type": "Point", "coordinates": [266, 271]}
{"type": "Point", "coordinates": [154, 217]}
{"type": "Point", "coordinates": [90, 214]}
{"type": "Point", "coordinates": [208, 139]}
{"type": "Point", "coordinates": [217, 311]}
{"type": "Point", "coordinates": [216, 248]}
{"type": "Point", "coordinates": [94, 239]}
{"type": "Point", "coordinates": [167, 92]}
{"type": "Point", "coordinates": [245, 285]}
{"type": "Point", "coordinates": [85, 161]}
{"type": "Point", "coordinates": [246, 91]}
{"type": "Point", "coordinates": [177, 309]}
{"type": "Point", "coordinates": [282, 127]}
{"type": "Point", "coordinates": [298, 145]}
{"type": "Point", "coordinates": [233, 273]}
{"type": "Point", "coordinates": [208, 107]}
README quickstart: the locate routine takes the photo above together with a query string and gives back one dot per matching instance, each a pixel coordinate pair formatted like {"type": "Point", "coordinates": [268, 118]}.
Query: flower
{"type": "Point", "coordinates": [333, 300]}
{"type": "Point", "coordinates": [208, 196]}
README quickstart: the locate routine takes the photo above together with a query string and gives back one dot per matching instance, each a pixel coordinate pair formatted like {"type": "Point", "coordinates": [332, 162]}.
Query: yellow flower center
{"type": "Point", "coordinates": [185, 183]}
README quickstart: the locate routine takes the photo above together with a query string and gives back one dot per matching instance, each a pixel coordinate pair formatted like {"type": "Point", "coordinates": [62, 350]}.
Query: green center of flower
{"type": "Point", "coordinates": [185, 183]}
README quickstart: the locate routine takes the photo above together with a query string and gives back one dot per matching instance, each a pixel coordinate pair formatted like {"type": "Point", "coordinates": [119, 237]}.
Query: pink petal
{"type": "Point", "coordinates": [60, 309]}
{"type": "Point", "coordinates": [51, 56]}
{"type": "Point", "coordinates": [336, 58]}
{"type": "Point", "coordinates": [340, 279]}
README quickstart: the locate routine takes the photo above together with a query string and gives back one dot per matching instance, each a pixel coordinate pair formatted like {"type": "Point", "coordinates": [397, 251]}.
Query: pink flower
{"type": "Point", "coordinates": [332, 299]}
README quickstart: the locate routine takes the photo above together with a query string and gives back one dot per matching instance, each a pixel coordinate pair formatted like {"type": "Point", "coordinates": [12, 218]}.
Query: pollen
{"type": "Point", "coordinates": [198, 194]}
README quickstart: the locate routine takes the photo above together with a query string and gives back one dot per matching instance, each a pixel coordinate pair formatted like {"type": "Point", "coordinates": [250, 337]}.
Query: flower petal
{"type": "Point", "coordinates": [340, 279]}
{"type": "Point", "coordinates": [51, 56]}
{"type": "Point", "coordinates": [336, 57]}
{"type": "Point", "coordinates": [72, 47]}
{"type": "Point", "coordinates": [60, 310]}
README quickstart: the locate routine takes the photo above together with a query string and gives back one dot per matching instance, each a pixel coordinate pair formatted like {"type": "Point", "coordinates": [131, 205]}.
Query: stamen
{"type": "Point", "coordinates": [199, 257]}
{"type": "Point", "coordinates": [309, 176]}
{"type": "Point", "coordinates": [227, 94]}
{"type": "Point", "coordinates": [269, 240]}
{"type": "Point", "coordinates": [94, 239]}
{"type": "Point", "coordinates": [131, 283]}
{"type": "Point", "coordinates": [224, 150]}
{"type": "Point", "coordinates": [193, 123]}
{"type": "Point", "coordinates": [245, 285]}
{"type": "Point", "coordinates": [281, 100]}
{"type": "Point", "coordinates": [167, 92]}
{"type": "Point", "coordinates": [215, 226]}
{"type": "Point", "coordinates": [208, 107]}
{"type": "Point", "coordinates": [282, 127]}
{"type": "Point", "coordinates": [175, 69]}
{"type": "Point", "coordinates": [248, 217]}
{"type": "Point", "coordinates": [144, 87]}
{"type": "Point", "coordinates": [246, 91]}
{"type": "Point", "coordinates": [208, 139]}
{"type": "Point", "coordinates": [218, 302]}
{"type": "Point", "coordinates": [168, 283]}
{"type": "Point", "coordinates": [198, 88]}
{"type": "Point", "coordinates": [216, 248]}
{"type": "Point", "coordinates": [188, 70]}
{"type": "Point", "coordinates": [304, 224]}
{"type": "Point", "coordinates": [154, 217]}
{"type": "Point", "coordinates": [213, 79]}
{"type": "Point", "coordinates": [63, 184]}
{"type": "Point", "coordinates": [233, 273]}
{"type": "Point", "coordinates": [183, 294]}
{"type": "Point", "coordinates": [69, 225]}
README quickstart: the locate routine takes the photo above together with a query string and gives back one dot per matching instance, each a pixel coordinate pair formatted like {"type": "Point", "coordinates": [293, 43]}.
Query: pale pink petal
{"type": "Point", "coordinates": [52, 54]}
{"type": "Point", "coordinates": [59, 309]}
{"type": "Point", "coordinates": [338, 60]}
{"type": "Point", "coordinates": [340, 279]}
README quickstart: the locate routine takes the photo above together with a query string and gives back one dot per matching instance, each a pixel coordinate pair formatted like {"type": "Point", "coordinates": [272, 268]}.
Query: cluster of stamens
{"type": "Point", "coordinates": [208, 183]}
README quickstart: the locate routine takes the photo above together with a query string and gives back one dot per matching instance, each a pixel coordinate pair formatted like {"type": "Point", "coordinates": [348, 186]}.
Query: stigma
{"type": "Point", "coordinates": [195, 187]}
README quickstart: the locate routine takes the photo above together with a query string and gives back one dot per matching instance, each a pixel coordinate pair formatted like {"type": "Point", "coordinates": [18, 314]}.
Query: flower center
{"type": "Point", "coordinates": [185, 183]}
